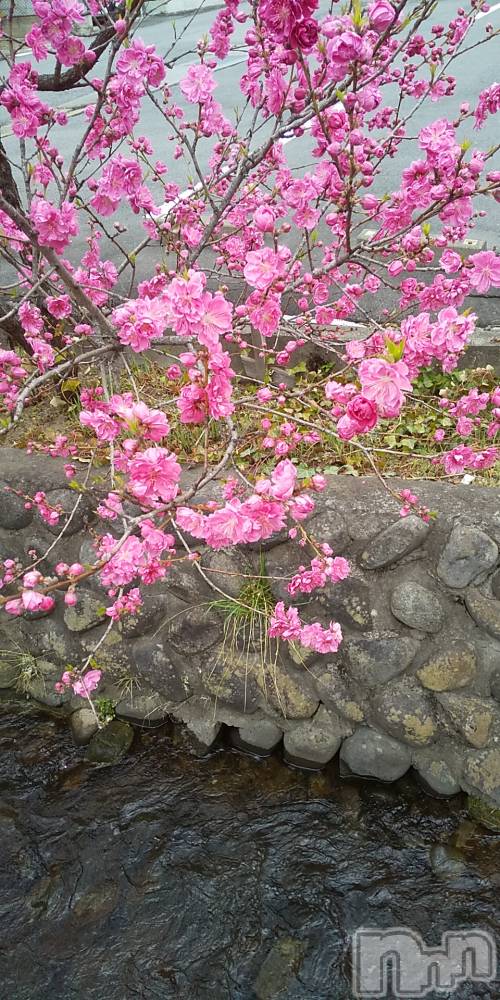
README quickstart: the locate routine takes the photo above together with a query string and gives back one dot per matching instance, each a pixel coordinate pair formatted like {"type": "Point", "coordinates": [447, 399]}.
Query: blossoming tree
{"type": "Point", "coordinates": [305, 251]}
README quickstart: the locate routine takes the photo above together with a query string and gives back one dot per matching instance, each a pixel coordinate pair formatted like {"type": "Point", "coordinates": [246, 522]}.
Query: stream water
{"type": "Point", "coordinates": [170, 876]}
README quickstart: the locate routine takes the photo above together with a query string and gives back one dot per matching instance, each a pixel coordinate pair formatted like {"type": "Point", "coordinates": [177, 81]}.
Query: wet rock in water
{"type": "Point", "coordinates": [471, 716]}
{"type": "Point", "coordinates": [469, 553]}
{"type": "Point", "coordinates": [83, 725]}
{"type": "Point", "coordinates": [482, 774]}
{"type": "Point", "coordinates": [453, 668]}
{"type": "Point", "coordinates": [96, 904]}
{"type": "Point", "coordinates": [417, 606]}
{"type": "Point", "coordinates": [260, 734]}
{"type": "Point", "coordinates": [484, 610]}
{"type": "Point", "coordinates": [396, 541]}
{"type": "Point", "coordinates": [406, 712]}
{"type": "Point", "coordinates": [376, 660]}
{"type": "Point", "coordinates": [375, 755]}
{"type": "Point", "coordinates": [142, 708]}
{"type": "Point", "coordinates": [110, 744]}
{"type": "Point", "coordinates": [484, 812]}
{"type": "Point", "coordinates": [279, 969]}
{"type": "Point", "coordinates": [439, 768]}
{"type": "Point", "coordinates": [205, 730]}
{"type": "Point", "coordinates": [315, 741]}
{"type": "Point", "coordinates": [447, 862]}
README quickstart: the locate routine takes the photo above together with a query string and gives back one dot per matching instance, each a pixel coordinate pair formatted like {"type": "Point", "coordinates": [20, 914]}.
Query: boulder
{"type": "Point", "coordinates": [396, 541]}
{"type": "Point", "coordinates": [448, 669]}
{"type": "Point", "coordinates": [111, 743]}
{"type": "Point", "coordinates": [375, 755]}
{"type": "Point", "coordinates": [417, 606]}
{"type": "Point", "coordinates": [373, 660]}
{"type": "Point", "coordinates": [469, 554]}
{"type": "Point", "coordinates": [406, 712]}
{"type": "Point", "coordinates": [484, 610]}
{"type": "Point", "coordinates": [471, 716]}
{"type": "Point", "coordinates": [83, 725]}
{"type": "Point", "coordinates": [315, 741]}
{"type": "Point", "coordinates": [439, 768]}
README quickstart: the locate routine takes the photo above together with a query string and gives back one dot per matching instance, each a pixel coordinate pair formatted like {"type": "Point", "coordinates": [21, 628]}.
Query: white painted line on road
{"type": "Point", "coordinates": [486, 13]}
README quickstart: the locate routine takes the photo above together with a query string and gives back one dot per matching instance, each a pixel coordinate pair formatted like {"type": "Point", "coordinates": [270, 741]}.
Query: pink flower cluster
{"type": "Point", "coordinates": [81, 684]}
{"type": "Point", "coordinates": [285, 623]}
{"type": "Point", "coordinates": [12, 373]}
{"type": "Point", "coordinates": [54, 226]}
{"type": "Point", "coordinates": [322, 570]}
{"type": "Point", "coordinates": [19, 97]}
{"type": "Point", "coordinates": [122, 414]}
{"type": "Point", "coordinates": [146, 558]}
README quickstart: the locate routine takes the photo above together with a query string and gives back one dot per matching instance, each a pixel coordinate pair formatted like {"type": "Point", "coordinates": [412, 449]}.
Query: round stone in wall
{"type": "Point", "coordinates": [375, 755]}
{"type": "Point", "coordinates": [484, 610]}
{"type": "Point", "coordinates": [395, 542]}
{"type": "Point", "coordinates": [417, 607]}
{"type": "Point", "coordinates": [468, 554]}
{"type": "Point", "coordinates": [13, 513]}
{"type": "Point", "coordinates": [450, 668]}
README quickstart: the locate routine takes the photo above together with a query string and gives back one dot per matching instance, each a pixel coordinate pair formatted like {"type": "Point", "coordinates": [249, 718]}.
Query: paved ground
{"type": "Point", "coordinates": [474, 71]}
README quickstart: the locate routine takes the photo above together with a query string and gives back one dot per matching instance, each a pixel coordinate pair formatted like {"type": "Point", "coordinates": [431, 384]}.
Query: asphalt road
{"type": "Point", "coordinates": [474, 71]}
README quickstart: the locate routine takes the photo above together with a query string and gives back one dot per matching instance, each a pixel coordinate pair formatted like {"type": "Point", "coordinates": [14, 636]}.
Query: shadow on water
{"type": "Point", "coordinates": [169, 876]}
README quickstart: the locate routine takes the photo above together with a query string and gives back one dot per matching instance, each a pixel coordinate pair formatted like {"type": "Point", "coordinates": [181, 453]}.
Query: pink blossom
{"type": "Point", "coordinates": [486, 271]}
{"type": "Point", "coordinates": [322, 640]}
{"type": "Point", "coordinates": [54, 226]}
{"type": "Point", "coordinates": [285, 623]}
{"type": "Point", "coordinates": [381, 14]}
{"type": "Point", "coordinates": [385, 384]}
{"type": "Point", "coordinates": [87, 683]}
{"type": "Point", "coordinates": [264, 266]}
{"type": "Point", "coordinates": [154, 475]}
{"type": "Point", "coordinates": [283, 479]}
{"type": "Point", "coordinates": [198, 84]}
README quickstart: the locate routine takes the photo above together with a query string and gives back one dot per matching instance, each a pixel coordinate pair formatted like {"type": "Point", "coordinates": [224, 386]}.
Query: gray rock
{"type": "Point", "coordinates": [469, 553]}
{"type": "Point", "coordinates": [66, 500]}
{"type": "Point", "coordinates": [495, 584]}
{"type": "Point", "coordinates": [471, 716]}
{"type": "Point", "coordinates": [261, 734]}
{"type": "Point", "coordinates": [452, 668]}
{"type": "Point", "coordinates": [484, 610]}
{"type": "Point", "coordinates": [439, 768]}
{"type": "Point", "coordinates": [482, 774]}
{"type": "Point", "coordinates": [417, 607]}
{"type": "Point", "coordinates": [316, 740]}
{"type": "Point", "coordinates": [41, 686]}
{"type": "Point", "coordinates": [374, 660]}
{"type": "Point", "coordinates": [375, 755]}
{"type": "Point", "coordinates": [141, 708]}
{"type": "Point", "coordinates": [349, 603]}
{"type": "Point", "coordinates": [206, 731]}
{"type": "Point", "coordinates": [406, 712]}
{"type": "Point", "coordinates": [333, 691]}
{"type": "Point", "coordinates": [495, 685]}
{"type": "Point", "coordinates": [279, 968]}
{"type": "Point", "coordinates": [87, 613]}
{"type": "Point", "coordinates": [83, 725]}
{"type": "Point", "coordinates": [447, 862]}
{"type": "Point", "coordinates": [396, 541]}
{"type": "Point", "coordinates": [110, 744]}
{"type": "Point", "coordinates": [13, 513]}
{"type": "Point", "coordinates": [173, 678]}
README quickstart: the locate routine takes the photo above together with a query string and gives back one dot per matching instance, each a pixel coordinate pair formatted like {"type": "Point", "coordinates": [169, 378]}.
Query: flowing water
{"type": "Point", "coordinates": [170, 876]}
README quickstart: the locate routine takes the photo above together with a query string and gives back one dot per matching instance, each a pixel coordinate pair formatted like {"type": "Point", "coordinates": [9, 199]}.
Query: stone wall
{"type": "Point", "coordinates": [416, 682]}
